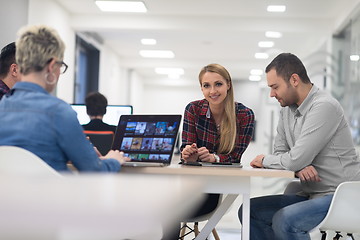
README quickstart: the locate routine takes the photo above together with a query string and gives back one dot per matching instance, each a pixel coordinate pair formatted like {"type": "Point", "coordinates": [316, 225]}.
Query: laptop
{"type": "Point", "coordinates": [148, 140]}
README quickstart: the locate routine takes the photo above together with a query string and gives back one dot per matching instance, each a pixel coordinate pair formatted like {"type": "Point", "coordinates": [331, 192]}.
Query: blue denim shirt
{"type": "Point", "coordinates": [33, 119]}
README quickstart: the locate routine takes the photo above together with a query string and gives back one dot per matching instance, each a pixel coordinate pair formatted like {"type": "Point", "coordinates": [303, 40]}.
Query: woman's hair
{"type": "Point", "coordinates": [228, 123]}
{"type": "Point", "coordinates": [96, 104]}
{"type": "Point", "coordinates": [36, 47]}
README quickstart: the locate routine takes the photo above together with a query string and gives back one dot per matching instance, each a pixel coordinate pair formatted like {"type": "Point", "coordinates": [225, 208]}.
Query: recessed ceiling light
{"type": "Point", "coordinates": [148, 41]}
{"type": "Point", "coordinates": [273, 34]}
{"type": "Point", "coordinates": [157, 54]}
{"type": "Point", "coordinates": [254, 78]}
{"type": "Point", "coordinates": [266, 44]}
{"type": "Point", "coordinates": [169, 71]}
{"type": "Point", "coordinates": [256, 72]}
{"type": "Point", "coordinates": [261, 55]}
{"type": "Point", "coordinates": [121, 6]}
{"type": "Point", "coordinates": [354, 58]}
{"type": "Point", "coordinates": [276, 8]}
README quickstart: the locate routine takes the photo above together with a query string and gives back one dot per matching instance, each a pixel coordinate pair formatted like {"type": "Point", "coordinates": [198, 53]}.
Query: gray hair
{"type": "Point", "coordinates": [36, 46]}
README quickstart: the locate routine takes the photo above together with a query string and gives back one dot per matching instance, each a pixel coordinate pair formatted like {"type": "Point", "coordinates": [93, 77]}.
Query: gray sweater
{"type": "Point", "coordinates": [316, 133]}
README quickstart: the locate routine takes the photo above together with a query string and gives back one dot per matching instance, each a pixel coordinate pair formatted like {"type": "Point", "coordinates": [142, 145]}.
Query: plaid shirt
{"type": "Point", "coordinates": [200, 128]}
{"type": "Point", "coordinates": [4, 89]}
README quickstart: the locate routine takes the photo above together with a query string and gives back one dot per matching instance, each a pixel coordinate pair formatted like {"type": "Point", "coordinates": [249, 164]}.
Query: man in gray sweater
{"type": "Point", "coordinates": [313, 140]}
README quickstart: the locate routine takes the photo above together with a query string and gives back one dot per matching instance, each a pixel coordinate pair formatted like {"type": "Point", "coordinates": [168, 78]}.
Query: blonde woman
{"type": "Point", "coordinates": [216, 128]}
{"type": "Point", "coordinates": [41, 123]}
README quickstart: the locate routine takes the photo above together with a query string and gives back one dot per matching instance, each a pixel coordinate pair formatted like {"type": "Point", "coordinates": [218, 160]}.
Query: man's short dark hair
{"type": "Point", "coordinates": [96, 104]}
{"type": "Point", "coordinates": [286, 64]}
{"type": "Point", "coordinates": [7, 57]}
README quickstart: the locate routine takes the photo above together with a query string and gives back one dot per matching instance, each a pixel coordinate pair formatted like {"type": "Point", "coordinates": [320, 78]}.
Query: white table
{"type": "Point", "coordinates": [97, 206]}
{"type": "Point", "coordinates": [225, 180]}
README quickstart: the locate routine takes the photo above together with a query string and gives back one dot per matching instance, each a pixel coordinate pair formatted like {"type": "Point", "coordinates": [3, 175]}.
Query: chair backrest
{"type": "Point", "coordinates": [206, 217]}
{"type": "Point", "coordinates": [293, 187]}
{"type": "Point", "coordinates": [102, 140]}
{"type": "Point", "coordinates": [19, 161]}
{"type": "Point", "coordinates": [344, 211]}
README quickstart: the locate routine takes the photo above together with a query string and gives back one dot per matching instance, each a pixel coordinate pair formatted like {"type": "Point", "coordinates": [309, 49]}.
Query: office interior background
{"type": "Point", "coordinates": [103, 54]}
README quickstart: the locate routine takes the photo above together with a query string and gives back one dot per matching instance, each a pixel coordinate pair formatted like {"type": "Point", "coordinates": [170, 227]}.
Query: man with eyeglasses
{"type": "Point", "coordinates": [9, 72]}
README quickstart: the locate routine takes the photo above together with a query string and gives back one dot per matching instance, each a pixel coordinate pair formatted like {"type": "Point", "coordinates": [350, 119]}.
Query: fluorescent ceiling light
{"type": "Point", "coordinates": [354, 58]}
{"type": "Point", "coordinates": [256, 72]}
{"type": "Point", "coordinates": [273, 34]}
{"type": "Point", "coordinates": [266, 44]}
{"type": "Point", "coordinates": [174, 76]}
{"type": "Point", "coordinates": [157, 54]}
{"type": "Point", "coordinates": [121, 6]}
{"type": "Point", "coordinates": [169, 71]}
{"type": "Point", "coordinates": [254, 78]}
{"type": "Point", "coordinates": [276, 8]}
{"type": "Point", "coordinates": [261, 55]}
{"type": "Point", "coordinates": [148, 41]}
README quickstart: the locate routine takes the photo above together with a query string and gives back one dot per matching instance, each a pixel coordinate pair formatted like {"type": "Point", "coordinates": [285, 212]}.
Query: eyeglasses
{"type": "Point", "coordinates": [63, 66]}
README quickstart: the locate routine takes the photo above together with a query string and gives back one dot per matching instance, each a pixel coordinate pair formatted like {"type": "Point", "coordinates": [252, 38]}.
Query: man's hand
{"type": "Point", "coordinates": [308, 174]}
{"type": "Point", "coordinates": [257, 162]}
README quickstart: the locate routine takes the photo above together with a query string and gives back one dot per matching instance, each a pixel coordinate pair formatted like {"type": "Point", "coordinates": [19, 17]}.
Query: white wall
{"type": "Point", "coordinates": [52, 14]}
{"type": "Point", "coordinates": [136, 92]}
{"type": "Point", "coordinates": [12, 22]}
{"type": "Point", "coordinates": [113, 80]}
{"type": "Point", "coordinates": [169, 98]}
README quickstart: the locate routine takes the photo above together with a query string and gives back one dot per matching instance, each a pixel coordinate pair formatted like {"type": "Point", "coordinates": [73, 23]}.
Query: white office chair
{"type": "Point", "coordinates": [344, 211]}
{"type": "Point", "coordinates": [196, 221]}
{"type": "Point", "coordinates": [19, 161]}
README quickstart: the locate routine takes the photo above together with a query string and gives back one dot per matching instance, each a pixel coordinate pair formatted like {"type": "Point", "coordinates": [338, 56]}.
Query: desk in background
{"type": "Point", "coordinates": [224, 180]}
{"type": "Point", "coordinates": [92, 207]}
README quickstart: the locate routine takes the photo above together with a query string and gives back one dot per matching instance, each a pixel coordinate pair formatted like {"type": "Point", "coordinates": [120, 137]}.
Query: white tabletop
{"type": "Point", "coordinates": [92, 206]}
{"type": "Point", "coordinates": [224, 180]}
{"type": "Point", "coordinates": [178, 169]}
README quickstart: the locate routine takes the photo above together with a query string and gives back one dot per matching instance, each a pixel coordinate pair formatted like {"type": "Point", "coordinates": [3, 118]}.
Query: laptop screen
{"type": "Point", "coordinates": [147, 138]}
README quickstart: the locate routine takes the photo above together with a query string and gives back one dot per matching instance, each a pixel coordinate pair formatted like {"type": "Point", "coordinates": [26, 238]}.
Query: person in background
{"type": "Point", "coordinates": [33, 119]}
{"type": "Point", "coordinates": [9, 72]}
{"type": "Point", "coordinates": [216, 128]}
{"type": "Point", "coordinates": [96, 104]}
{"type": "Point", "coordinates": [313, 140]}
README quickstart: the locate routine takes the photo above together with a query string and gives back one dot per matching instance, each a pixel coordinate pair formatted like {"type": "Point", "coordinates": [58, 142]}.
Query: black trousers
{"type": "Point", "coordinates": [208, 205]}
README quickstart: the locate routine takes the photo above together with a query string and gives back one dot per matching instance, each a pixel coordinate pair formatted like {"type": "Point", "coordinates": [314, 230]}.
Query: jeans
{"type": "Point", "coordinates": [285, 217]}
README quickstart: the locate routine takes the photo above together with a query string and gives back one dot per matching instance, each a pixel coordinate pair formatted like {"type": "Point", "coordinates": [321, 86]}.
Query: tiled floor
{"type": "Point", "coordinates": [224, 234]}
{"type": "Point", "coordinates": [228, 234]}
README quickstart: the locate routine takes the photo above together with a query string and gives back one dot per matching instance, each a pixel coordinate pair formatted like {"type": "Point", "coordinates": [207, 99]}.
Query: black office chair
{"type": "Point", "coordinates": [102, 140]}
{"type": "Point", "coordinates": [185, 225]}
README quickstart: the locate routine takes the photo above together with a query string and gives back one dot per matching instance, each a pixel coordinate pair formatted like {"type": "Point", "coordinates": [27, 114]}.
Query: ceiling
{"type": "Point", "coordinates": [200, 32]}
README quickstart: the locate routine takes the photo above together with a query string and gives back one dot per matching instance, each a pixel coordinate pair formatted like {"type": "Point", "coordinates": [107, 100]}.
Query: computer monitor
{"type": "Point", "coordinates": [112, 116]}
